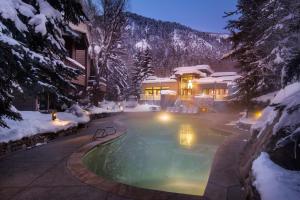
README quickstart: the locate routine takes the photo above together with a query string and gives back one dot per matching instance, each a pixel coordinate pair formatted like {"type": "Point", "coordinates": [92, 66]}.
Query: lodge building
{"type": "Point", "coordinates": [188, 82]}
{"type": "Point", "coordinates": [78, 58]}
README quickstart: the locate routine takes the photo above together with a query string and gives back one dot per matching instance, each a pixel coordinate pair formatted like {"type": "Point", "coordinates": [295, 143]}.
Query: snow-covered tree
{"type": "Point", "coordinates": [32, 49]}
{"type": "Point", "coordinates": [265, 36]}
{"type": "Point", "coordinates": [266, 39]}
{"type": "Point", "coordinates": [142, 69]}
{"type": "Point", "coordinates": [108, 48]}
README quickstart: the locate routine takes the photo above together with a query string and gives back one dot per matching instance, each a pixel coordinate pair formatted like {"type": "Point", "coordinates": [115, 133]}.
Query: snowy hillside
{"type": "Point", "coordinates": [174, 45]}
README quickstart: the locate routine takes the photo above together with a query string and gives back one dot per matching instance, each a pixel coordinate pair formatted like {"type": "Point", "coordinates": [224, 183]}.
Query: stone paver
{"type": "Point", "coordinates": [42, 173]}
{"type": "Point", "coordinates": [224, 182]}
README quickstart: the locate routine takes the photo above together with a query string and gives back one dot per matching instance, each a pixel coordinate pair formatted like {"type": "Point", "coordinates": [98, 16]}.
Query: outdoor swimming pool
{"type": "Point", "coordinates": [160, 151]}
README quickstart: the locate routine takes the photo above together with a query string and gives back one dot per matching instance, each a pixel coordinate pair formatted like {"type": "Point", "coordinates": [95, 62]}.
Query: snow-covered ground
{"type": "Point", "coordinates": [35, 123]}
{"type": "Point", "coordinates": [274, 182]}
{"type": "Point", "coordinates": [271, 180]}
{"type": "Point", "coordinates": [143, 108]}
{"type": "Point", "coordinates": [113, 107]}
{"type": "Point", "coordinates": [265, 98]}
{"type": "Point", "coordinates": [243, 120]}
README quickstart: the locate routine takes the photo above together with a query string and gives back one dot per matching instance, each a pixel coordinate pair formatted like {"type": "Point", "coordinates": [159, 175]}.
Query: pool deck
{"type": "Point", "coordinates": [42, 172]}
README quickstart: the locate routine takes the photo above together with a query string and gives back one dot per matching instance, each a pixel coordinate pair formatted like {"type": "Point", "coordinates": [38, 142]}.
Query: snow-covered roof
{"type": "Point", "coordinates": [82, 28]}
{"type": "Point", "coordinates": [74, 62]}
{"type": "Point", "coordinates": [219, 74]}
{"type": "Point", "coordinates": [154, 79]}
{"type": "Point", "coordinates": [224, 79]}
{"type": "Point", "coordinates": [202, 70]}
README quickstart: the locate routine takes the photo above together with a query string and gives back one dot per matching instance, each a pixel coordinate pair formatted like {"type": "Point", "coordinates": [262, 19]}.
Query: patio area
{"type": "Point", "coordinates": [42, 173]}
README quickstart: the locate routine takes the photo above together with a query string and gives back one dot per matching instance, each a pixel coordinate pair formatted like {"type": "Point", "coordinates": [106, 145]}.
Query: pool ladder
{"type": "Point", "coordinates": [103, 132]}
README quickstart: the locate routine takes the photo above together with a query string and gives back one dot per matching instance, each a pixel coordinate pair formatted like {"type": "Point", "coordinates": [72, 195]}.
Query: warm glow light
{"type": "Point", "coordinates": [186, 135]}
{"type": "Point", "coordinates": [203, 109]}
{"type": "Point", "coordinates": [53, 115]}
{"type": "Point", "coordinates": [164, 117]}
{"type": "Point", "coordinates": [58, 122]}
{"type": "Point", "coordinates": [190, 84]}
{"type": "Point", "coordinates": [258, 114]}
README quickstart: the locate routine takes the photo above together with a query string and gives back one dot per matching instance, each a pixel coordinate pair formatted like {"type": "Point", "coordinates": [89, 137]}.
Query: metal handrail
{"type": "Point", "coordinates": [103, 132]}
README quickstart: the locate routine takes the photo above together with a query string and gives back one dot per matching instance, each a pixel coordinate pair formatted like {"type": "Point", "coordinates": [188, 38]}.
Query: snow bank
{"type": "Point", "coordinates": [266, 98]}
{"type": "Point", "coordinates": [286, 92]}
{"type": "Point", "coordinates": [274, 182]}
{"type": "Point", "coordinates": [105, 107]}
{"type": "Point", "coordinates": [36, 123]}
{"type": "Point", "coordinates": [143, 108]}
{"type": "Point", "coordinates": [288, 98]}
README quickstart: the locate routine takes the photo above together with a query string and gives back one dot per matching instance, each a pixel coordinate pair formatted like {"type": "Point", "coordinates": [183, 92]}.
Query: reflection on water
{"type": "Point", "coordinates": [174, 156]}
{"type": "Point", "coordinates": [186, 135]}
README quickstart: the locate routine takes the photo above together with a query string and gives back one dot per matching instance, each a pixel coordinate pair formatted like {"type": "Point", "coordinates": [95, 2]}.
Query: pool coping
{"type": "Point", "coordinates": [80, 171]}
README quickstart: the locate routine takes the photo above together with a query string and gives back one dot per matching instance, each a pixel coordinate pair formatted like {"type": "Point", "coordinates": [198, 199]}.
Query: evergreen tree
{"type": "Point", "coordinates": [142, 69]}
{"type": "Point", "coordinates": [32, 49]}
{"type": "Point", "coordinates": [264, 38]}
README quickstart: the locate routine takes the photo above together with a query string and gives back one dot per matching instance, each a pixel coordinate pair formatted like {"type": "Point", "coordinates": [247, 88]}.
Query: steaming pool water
{"type": "Point", "coordinates": [165, 152]}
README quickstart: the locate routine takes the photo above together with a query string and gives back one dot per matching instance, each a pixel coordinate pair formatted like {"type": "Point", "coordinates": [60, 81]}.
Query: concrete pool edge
{"type": "Point", "coordinates": [77, 168]}
{"type": "Point", "coordinates": [224, 179]}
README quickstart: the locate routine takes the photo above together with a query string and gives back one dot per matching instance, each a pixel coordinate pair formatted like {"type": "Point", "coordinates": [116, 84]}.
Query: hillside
{"type": "Point", "coordinates": [175, 45]}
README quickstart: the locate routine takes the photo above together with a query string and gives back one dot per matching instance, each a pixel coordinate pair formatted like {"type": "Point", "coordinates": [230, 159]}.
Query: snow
{"type": "Point", "coordinates": [202, 70]}
{"type": "Point", "coordinates": [75, 63]}
{"type": "Point", "coordinates": [105, 107]}
{"type": "Point", "coordinates": [113, 107]}
{"type": "Point", "coordinates": [35, 122]}
{"type": "Point", "coordinates": [154, 79]}
{"type": "Point", "coordinates": [39, 21]}
{"type": "Point", "coordinates": [142, 45]}
{"type": "Point", "coordinates": [247, 120]}
{"type": "Point", "coordinates": [219, 74]}
{"type": "Point", "coordinates": [288, 97]}
{"type": "Point", "coordinates": [97, 49]}
{"type": "Point", "coordinates": [168, 92]}
{"type": "Point", "coordinates": [143, 108]}
{"type": "Point", "coordinates": [265, 98]}
{"type": "Point", "coordinates": [8, 10]}
{"type": "Point", "coordinates": [47, 12]}
{"type": "Point", "coordinates": [286, 92]}
{"type": "Point", "coordinates": [274, 182]}
{"type": "Point", "coordinates": [225, 79]}
{"type": "Point", "coordinates": [177, 42]}
{"type": "Point", "coordinates": [268, 116]}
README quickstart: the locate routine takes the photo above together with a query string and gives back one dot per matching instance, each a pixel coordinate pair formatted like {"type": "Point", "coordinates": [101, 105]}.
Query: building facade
{"type": "Point", "coordinates": [189, 82]}
{"type": "Point", "coordinates": [78, 58]}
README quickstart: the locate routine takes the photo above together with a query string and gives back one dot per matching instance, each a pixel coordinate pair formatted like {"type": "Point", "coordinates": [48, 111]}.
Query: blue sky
{"type": "Point", "coordinates": [204, 15]}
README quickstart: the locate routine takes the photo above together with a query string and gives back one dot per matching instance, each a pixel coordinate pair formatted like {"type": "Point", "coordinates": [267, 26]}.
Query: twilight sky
{"type": "Point", "coordinates": [204, 15]}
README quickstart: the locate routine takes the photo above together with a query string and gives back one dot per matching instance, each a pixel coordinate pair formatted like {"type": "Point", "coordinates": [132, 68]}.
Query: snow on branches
{"type": "Point", "coordinates": [32, 48]}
